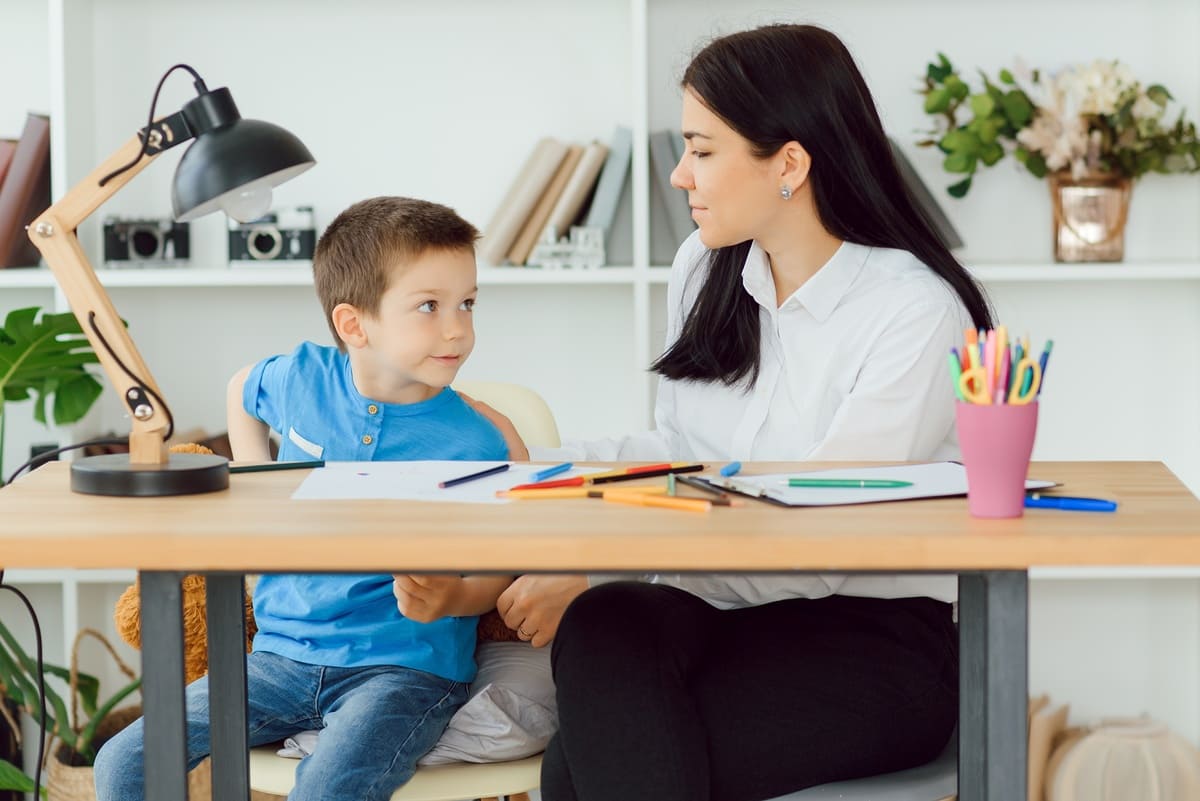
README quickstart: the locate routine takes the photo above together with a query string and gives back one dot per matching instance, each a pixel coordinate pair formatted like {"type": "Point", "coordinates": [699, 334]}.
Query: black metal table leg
{"type": "Point", "coordinates": [993, 636]}
{"type": "Point", "coordinates": [227, 687]}
{"type": "Point", "coordinates": [162, 686]}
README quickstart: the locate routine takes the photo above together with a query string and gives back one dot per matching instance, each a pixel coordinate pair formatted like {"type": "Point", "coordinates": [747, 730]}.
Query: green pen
{"type": "Point", "coordinates": [852, 483]}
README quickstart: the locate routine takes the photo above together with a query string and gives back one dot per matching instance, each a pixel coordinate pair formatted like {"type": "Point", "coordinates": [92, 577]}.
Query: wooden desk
{"type": "Point", "coordinates": [255, 527]}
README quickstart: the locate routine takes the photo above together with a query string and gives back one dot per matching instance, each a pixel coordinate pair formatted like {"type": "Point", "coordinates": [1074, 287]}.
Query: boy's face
{"type": "Point", "coordinates": [424, 330]}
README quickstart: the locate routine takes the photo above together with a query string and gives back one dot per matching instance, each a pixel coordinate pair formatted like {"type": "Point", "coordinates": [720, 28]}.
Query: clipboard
{"type": "Point", "coordinates": [931, 480]}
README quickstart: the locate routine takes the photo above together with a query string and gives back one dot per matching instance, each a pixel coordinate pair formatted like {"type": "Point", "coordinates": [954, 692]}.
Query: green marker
{"type": "Point", "coordinates": [851, 483]}
{"type": "Point", "coordinates": [956, 375]}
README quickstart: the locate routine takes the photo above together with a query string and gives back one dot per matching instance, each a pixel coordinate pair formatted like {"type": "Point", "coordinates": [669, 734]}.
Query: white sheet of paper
{"type": "Point", "coordinates": [934, 480]}
{"type": "Point", "coordinates": [418, 481]}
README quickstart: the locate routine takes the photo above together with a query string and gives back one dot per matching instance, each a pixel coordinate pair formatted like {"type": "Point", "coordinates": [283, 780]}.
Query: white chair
{"type": "Point", "coordinates": [490, 781]}
{"type": "Point", "coordinates": [528, 412]}
{"type": "Point", "coordinates": [933, 781]}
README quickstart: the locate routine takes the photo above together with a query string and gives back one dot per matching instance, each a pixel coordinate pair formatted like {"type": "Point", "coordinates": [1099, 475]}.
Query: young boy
{"type": "Point", "coordinates": [377, 663]}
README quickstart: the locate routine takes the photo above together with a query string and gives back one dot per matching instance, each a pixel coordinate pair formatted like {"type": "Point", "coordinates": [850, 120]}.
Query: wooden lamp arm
{"type": "Point", "coordinates": [54, 234]}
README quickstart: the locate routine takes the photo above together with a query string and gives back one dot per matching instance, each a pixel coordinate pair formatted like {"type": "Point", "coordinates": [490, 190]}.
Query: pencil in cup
{"type": "Point", "coordinates": [994, 370]}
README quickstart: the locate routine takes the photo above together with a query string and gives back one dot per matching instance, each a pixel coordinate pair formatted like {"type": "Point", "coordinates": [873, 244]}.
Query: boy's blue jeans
{"type": "Point", "coordinates": [375, 723]}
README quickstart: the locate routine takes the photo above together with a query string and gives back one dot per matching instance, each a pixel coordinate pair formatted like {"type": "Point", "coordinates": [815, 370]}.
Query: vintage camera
{"type": "Point", "coordinates": [145, 242]}
{"type": "Point", "coordinates": [282, 235]}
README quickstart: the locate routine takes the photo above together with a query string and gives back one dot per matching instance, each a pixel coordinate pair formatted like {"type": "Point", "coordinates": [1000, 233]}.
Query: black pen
{"type": "Point", "coordinates": [268, 466]}
{"type": "Point", "coordinates": [491, 471]}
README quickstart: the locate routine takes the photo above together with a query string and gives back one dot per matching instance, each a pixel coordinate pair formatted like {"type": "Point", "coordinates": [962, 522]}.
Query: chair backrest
{"type": "Point", "coordinates": [528, 412]}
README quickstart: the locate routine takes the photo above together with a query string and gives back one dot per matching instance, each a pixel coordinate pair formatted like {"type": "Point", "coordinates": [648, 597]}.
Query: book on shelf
{"type": "Point", "coordinates": [25, 192]}
{"type": "Point", "coordinates": [618, 242]}
{"type": "Point", "coordinates": [578, 189]}
{"type": "Point", "coordinates": [7, 148]}
{"type": "Point", "coordinates": [611, 183]}
{"type": "Point", "coordinates": [662, 163]}
{"type": "Point", "coordinates": [924, 199]}
{"type": "Point", "coordinates": [535, 226]}
{"type": "Point", "coordinates": [528, 186]}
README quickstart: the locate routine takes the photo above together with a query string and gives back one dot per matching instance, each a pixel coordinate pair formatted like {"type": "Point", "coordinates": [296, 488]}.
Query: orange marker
{"type": "Point", "coordinates": [638, 499]}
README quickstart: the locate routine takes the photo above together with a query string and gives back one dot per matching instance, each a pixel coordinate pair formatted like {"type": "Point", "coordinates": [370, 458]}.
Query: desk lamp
{"type": "Point", "coordinates": [232, 166]}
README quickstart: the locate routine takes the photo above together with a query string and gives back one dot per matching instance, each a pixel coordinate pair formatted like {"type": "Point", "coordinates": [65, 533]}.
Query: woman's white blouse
{"type": "Point", "coordinates": [852, 367]}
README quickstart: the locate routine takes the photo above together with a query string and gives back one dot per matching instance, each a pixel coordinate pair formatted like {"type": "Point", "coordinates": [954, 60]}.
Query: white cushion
{"type": "Point", "coordinates": [510, 714]}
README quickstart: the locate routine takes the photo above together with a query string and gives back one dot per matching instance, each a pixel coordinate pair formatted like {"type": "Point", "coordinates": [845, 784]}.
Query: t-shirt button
{"type": "Point", "coordinates": [366, 440]}
{"type": "Point", "coordinates": [372, 409]}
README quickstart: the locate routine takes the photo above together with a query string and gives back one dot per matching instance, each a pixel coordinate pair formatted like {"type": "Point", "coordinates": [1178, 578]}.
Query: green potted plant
{"type": "Point", "coordinates": [79, 732]}
{"type": "Point", "coordinates": [1089, 129]}
{"type": "Point", "coordinates": [45, 358]}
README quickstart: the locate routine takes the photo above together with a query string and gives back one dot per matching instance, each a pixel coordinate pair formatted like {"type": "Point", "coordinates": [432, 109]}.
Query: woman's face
{"type": "Point", "coordinates": [732, 193]}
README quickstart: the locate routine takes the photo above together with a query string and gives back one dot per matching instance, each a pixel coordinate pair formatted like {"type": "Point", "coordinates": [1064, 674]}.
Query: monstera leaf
{"type": "Point", "coordinates": [46, 358]}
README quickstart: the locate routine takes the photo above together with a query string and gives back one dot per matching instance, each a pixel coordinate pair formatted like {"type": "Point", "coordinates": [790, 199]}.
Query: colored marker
{"type": "Point", "coordinates": [683, 504]}
{"type": "Point", "coordinates": [1042, 363]}
{"type": "Point", "coordinates": [1068, 504]}
{"type": "Point", "coordinates": [848, 483]}
{"type": "Point", "coordinates": [542, 475]}
{"type": "Point", "coordinates": [577, 492]}
{"type": "Point", "coordinates": [956, 375]}
{"type": "Point", "coordinates": [269, 466]}
{"type": "Point", "coordinates": [491, 471]}
{"type": "Point", "coordinates": [665, 471]}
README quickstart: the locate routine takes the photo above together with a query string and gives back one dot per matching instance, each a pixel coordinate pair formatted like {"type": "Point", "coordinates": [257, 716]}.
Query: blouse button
{"type": "Point", "coordinates": [372, 409]}
{"type": "Point", "coordinates": [366, 440]}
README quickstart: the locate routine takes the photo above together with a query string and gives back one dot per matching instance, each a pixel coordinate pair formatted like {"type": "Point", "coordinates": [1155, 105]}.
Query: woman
{"type": "Point", "coordinates": [809, 318]}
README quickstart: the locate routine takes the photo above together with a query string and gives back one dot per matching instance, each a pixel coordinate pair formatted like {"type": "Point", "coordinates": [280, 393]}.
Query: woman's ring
{"type": "Point", "coordinates": [521, 632]}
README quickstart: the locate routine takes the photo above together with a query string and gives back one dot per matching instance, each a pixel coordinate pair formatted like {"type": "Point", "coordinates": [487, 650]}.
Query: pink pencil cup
{"type": "Point", "coordinates": [996, 443]}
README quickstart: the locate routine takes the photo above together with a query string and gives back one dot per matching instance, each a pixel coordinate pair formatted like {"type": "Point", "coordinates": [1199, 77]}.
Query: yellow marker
{"type": "Point", "coordinates": [639, 499]}
{"type": "Point", "coordinates": [577, 492]}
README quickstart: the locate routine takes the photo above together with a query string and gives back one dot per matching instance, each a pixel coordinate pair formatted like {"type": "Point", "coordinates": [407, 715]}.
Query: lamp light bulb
{"type": "Point", "coordinates": [249, 204]}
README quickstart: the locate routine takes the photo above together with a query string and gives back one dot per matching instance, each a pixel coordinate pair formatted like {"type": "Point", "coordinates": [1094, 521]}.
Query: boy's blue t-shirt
{"type": "Point", "coordinates": [351, 620]}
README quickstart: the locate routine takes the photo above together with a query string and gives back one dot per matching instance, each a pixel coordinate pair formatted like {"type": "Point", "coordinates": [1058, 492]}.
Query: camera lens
{"type": "Point", "coordinates": [263, 243]}
{"type": "Point", "coordinates": [144, 243]}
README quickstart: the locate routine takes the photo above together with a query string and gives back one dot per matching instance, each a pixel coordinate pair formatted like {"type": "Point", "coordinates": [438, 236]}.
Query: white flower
{"type": "Point", "coordinates": [1146, 109]}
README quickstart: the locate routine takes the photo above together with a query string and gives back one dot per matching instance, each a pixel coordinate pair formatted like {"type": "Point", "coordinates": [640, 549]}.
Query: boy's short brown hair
{"type": "Point", "coordinates": [353, 258]}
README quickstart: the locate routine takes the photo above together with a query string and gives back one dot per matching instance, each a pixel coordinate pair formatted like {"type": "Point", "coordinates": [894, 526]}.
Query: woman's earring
{"type": "Point", "coordinates": [785, 192]}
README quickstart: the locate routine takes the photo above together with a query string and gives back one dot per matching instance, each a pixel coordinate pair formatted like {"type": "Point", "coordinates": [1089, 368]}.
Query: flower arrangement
{"type": "Point", "coordinates": [1086, 120]}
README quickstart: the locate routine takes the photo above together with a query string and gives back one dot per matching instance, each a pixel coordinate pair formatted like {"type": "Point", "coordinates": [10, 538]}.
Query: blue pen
{"type": "Point", "coordinates": [731, 469]}
{"type": "Point", "coordinates": [1068, 504]}
{"type": "Point", "coordinates": [542, 475]}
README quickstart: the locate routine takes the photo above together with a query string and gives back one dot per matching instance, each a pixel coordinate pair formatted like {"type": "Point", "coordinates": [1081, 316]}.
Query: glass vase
{"type": "Point", "coordinates": [1089, 216]}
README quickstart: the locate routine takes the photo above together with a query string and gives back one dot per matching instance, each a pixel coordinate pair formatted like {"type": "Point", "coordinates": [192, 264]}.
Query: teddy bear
{"type": "Point", "coordinates": [128, 618]}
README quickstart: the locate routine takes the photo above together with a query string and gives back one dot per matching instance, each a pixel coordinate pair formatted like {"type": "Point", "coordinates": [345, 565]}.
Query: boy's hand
{"type": "Point", "coordinates": [426, 598]}
{"type": "Point", "coordinates": [517, 451]}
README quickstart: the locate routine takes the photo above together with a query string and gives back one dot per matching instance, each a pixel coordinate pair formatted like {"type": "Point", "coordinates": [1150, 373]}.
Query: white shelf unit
{"type": "Point", "coordinates": [444, 101]}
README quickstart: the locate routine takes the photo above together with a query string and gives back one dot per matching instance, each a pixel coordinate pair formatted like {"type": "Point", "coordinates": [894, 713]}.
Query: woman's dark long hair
{"type": "Point", "coordinates": [783, 83]}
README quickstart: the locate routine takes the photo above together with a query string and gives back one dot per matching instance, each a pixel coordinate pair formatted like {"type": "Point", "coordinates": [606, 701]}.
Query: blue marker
{"type": "Point", "coordinates": [1068, 504]}
{"type": "Point", "coordinates": [731, 469]}
{"type": "Point", "coordinates": [542, 475]}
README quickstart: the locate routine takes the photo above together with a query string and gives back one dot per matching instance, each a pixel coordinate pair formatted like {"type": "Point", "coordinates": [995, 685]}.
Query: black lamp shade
{"type": "Point", "coordinates": [230, 159]}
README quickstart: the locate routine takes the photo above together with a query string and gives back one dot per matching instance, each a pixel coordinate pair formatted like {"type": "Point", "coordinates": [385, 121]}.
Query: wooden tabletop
{"type": "Point", "coordinates": [255, 526]}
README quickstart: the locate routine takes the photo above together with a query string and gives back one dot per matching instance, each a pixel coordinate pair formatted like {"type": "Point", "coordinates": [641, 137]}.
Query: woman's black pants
{"type": "Point", "coordinates": [663, 697]}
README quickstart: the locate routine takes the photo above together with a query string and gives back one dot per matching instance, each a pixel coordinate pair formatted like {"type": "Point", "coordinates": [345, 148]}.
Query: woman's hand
{"type": "Point", "coordinates": [517, 451]}
{"type": "Point", "coordinates": [533, 606]}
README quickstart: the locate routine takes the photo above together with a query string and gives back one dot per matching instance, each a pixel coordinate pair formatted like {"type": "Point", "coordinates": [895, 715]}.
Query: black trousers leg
{"type": "Point", "coordinates": [663, 697]}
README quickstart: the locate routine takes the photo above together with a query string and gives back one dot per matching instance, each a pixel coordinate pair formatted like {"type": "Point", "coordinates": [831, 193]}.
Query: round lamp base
{"type": "Point", "coordinates": [183, 474]}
